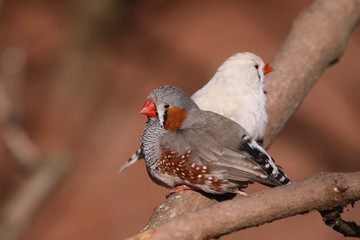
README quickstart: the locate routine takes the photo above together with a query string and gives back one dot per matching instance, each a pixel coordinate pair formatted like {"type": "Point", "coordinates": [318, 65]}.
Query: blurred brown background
{"type": "Point", "coordinates": [77, 72]}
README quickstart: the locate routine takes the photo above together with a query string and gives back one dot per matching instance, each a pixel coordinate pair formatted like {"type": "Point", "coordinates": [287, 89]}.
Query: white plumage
{"type": "Point", "coordinates": [236, 91]}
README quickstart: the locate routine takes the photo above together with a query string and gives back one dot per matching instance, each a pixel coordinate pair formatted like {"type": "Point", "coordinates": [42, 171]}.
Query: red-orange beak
{"type": "Point", "coordinates": [267, 68]}
{"type": "Point", "coordinates": [149, 108]}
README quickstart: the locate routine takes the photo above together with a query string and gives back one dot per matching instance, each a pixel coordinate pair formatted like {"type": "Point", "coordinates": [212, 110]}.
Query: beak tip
{"type": "Point", "coordinates": [267, 68]}
{"type": "Point", "coordinates": [149, 108]}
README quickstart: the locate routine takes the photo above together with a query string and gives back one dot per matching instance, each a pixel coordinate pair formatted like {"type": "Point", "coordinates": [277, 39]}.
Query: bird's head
{"type": "Point", "coordinates": [170, 105]}
{"type": "Point", "coordinates": [249, 67]}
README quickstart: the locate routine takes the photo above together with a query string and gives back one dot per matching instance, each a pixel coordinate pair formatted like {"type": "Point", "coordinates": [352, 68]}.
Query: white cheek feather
{"type": "Point", "coordinates": [161, 114]}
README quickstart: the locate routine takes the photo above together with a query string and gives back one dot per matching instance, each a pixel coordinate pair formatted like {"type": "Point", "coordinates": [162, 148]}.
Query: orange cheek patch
{"type": "Point", "coordinates": [174, 118]}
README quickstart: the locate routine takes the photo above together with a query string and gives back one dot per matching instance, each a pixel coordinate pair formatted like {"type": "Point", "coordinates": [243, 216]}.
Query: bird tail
{"type": "Point", "coordinates": [276, 176]}
{"type": "Point", "coordinates": [133, 159]}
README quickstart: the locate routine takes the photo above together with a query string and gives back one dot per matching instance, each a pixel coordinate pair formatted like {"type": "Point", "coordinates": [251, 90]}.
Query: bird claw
{"type": "Point", "coordinates": [179, 189]}
{"type": "Point", "coordinates": [241, 193]}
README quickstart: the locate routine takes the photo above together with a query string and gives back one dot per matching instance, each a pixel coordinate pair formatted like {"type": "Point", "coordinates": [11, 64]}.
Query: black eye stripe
{"type": "Point", "coordinates": [165, 113]}
{"type": "Point", "coordinates": [166, 109]}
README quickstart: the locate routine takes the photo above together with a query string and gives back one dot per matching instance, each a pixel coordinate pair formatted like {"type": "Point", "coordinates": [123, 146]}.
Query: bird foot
{"type": "Point", "coordinates": [179, 189]}
{"type": "Point", "coordinates": [241, 193]}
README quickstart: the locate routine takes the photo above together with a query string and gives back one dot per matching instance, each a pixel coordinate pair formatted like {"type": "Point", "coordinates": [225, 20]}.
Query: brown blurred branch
{"type": "Point", "coordinates": [70, 95]}
{"type": "Point", "coordinates": [15, 138]}
{"type": "Point", "coordinates": [42, 176]}
{"type": "Point", "coordinates": [316, 40]}
{"type": "Point", "coordinates": [75, 85]}
{"type": "Point", "coordinates": [17, 213]}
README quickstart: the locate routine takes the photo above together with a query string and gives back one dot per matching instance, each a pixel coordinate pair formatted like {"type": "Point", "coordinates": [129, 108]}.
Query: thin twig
{"type": "Point", "coordinates": [333, 219]}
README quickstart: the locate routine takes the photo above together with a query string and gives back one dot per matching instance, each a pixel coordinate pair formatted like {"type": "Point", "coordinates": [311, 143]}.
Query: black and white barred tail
{"type": "Point", "coordinates": [255, 152]}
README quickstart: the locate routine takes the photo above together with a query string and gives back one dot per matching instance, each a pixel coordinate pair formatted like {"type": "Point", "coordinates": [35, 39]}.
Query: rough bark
{"type": "Point", "coordinates": [317, 40]}
{"type": "Point", "coordinates": [320, 192]}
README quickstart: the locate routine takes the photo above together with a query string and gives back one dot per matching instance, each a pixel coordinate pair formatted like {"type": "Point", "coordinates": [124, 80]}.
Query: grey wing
{"type": "Point", "coordinates": [206, 149]}
{"type": "Point", "coordinates": [235, 164]}
{"type": "Point", "coordinates": [234, 138]}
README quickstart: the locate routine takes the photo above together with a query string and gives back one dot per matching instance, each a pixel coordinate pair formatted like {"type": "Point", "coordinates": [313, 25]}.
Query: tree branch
{"type": "Point", "coordinates": [316, 40]}
{"type": "Point", "coordinates": [333, 219]}
{"type": "Point", "coordinates": [320, 192]}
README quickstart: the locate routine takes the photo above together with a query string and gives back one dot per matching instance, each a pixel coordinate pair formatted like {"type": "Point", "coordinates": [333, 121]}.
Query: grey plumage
{"type": "Point", "coordinates": [150, 144]}
{"type": "Point", "coordinates": [218, 146]}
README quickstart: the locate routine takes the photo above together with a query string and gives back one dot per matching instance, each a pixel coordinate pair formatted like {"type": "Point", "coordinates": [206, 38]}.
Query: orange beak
{"type": "Point", "coordinates": [267, 68]}
{"type": "Point", "coordinates": [149, 108]}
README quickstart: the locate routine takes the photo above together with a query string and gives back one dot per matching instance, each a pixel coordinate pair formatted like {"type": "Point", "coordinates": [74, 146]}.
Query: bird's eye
{"type": "Point", "coordinates": [256, 66]}
{"type": "Point", "coordinates": [167, 106]}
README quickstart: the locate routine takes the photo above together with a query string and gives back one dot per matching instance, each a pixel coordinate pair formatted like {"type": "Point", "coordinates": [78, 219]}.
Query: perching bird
{"type": "Point", "coordinates": [235, 91]}
{"type": "Point", "coordinates": [184, 145]}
